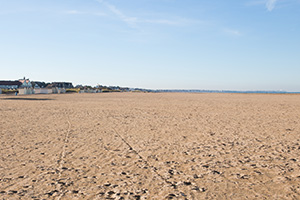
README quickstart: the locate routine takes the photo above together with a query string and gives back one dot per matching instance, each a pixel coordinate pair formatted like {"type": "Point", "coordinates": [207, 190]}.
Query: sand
{"type": "Point", "coordinates": [150, 146]}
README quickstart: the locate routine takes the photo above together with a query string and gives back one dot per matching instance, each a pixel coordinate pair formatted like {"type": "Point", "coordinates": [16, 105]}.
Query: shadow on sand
{"type": "Point", "coordinates": [28, 99]}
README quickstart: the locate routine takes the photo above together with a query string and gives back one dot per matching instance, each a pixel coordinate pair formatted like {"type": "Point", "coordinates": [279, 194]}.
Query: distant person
{"type": "Point", "coordinates": [16, 93]}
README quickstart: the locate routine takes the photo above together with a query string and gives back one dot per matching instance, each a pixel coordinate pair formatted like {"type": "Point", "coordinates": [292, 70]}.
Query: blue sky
{"type": "Point", "coordinates": [166, 44]}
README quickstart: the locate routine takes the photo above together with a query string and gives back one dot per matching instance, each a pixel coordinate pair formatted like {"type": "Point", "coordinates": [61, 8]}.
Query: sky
{"type": "Point", "coordinates": [153, 44]}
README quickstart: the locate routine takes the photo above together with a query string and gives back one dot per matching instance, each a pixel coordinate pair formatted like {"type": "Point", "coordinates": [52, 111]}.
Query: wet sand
{"type": "Point", "coordinates": [150, 146]}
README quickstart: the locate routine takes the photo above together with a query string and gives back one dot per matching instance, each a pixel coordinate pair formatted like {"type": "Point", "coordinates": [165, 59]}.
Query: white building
{"type": "Point", "coordinates": [43, 90]}
{"type": "Point", "coordinates": [26, 91]}
{"type": "Point", "coordinates": [26, 83]}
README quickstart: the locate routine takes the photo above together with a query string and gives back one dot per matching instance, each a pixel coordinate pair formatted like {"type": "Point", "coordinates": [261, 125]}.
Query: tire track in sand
{"type": "Point", "coordinates": [144, 160]}
{"type": "Point", "coordinates": [60, 163]}
{"type": "Point", "coordinates": [61, 159]}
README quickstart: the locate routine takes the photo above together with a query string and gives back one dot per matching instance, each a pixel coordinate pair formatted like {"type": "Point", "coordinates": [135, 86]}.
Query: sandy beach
{"type": "Point", "coordinates": [150, 146]}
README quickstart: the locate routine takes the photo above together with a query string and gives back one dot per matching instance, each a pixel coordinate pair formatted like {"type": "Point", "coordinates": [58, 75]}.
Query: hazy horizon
{"type": "Point", "coordinates": [154, 44]}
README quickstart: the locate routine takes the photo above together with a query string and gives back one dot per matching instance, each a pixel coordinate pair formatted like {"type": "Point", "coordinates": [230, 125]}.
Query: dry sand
{"type": "Point", "coordinates": [150, 146]}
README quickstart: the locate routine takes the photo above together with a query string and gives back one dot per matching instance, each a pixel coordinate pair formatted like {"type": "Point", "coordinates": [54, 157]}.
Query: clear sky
{"type": "Point", "coordinates": [166, 44]}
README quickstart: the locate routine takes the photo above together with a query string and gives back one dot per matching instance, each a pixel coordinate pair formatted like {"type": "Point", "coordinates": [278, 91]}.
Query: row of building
{"type": "Point", "coordinates": [25, 86]}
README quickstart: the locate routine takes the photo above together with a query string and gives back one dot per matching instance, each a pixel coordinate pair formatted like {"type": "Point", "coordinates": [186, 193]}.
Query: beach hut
{"type": "Point", "coordinates": [61, 90]}
{"type": "Point", "coordinates": [42, 91]}
{"type": "Point", "coordinates": [55, 90]}
{"type": "Point", "coordinates": [90, 91]}
{"type": "Point", "coordinates": [24, 91]}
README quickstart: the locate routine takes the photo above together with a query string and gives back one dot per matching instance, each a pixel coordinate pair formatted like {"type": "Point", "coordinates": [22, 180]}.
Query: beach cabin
{"type": "Point", "coordinates": [43, 91]}
{"type": "Point", "coordinates": [25, 91]}
{"type": "Point", "coordinates": [54, 90]}
{"type": "Point", "coordinates": [57, 90]}
{"type": "Point", "coordinates": [61, 90]}
{"type": "Point", "coordinates": [91, 91]}
{"type": "Point", "coordinates": [88, 91]}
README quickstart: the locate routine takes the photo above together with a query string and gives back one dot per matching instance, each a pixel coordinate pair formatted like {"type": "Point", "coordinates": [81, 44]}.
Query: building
{"type": "Point", "coordinates": [56, 90]}
{"type": "Point", "coordinates": [10, 84]}
{"type": "Point", "coordinates": [25, 91]}
{"type": "Point", "coordinates": [26, 83]}
{"type": "Point", "coordinates": [43, 90]}
{"type": "Point", "coordinates": [25, 86]}
{"type": "Point", "coordinates": [21, 83]}
{"type": "Point", "coordinates": [88, 90]}
{"type": "Point", "coordinates": [62, 85]}
{"type": "Point", "coordinates": [39, 84]}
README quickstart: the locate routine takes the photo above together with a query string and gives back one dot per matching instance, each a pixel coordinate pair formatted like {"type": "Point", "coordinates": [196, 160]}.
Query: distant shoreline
{"type": "Point", "coordinates": [222, 91]}
{"type": "Point", "coordinates": [176, 91]}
